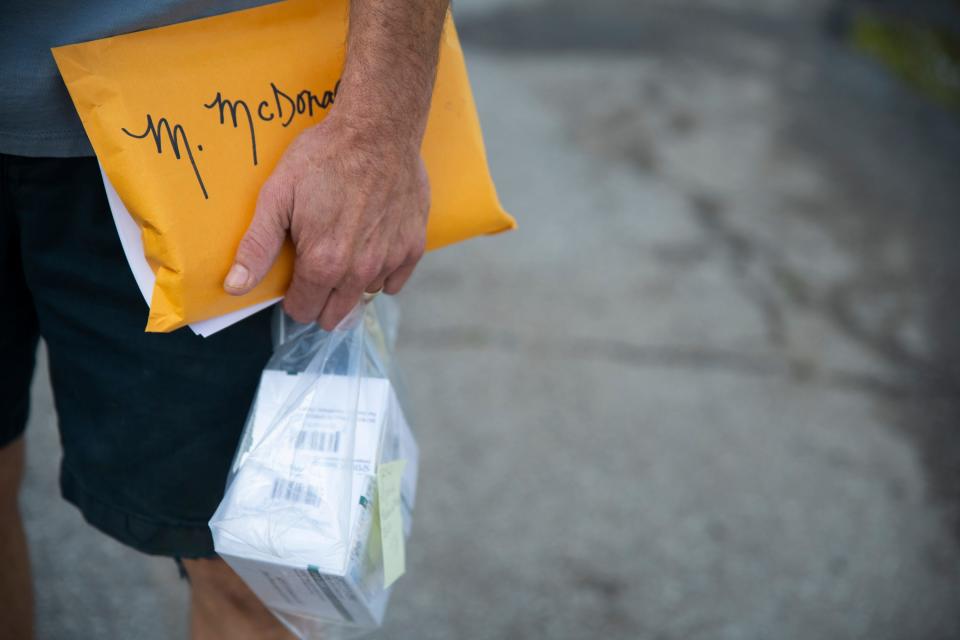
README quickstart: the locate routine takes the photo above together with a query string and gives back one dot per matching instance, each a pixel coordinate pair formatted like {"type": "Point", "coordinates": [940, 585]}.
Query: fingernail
{"type": "Point", "coordinates": [237, 278]}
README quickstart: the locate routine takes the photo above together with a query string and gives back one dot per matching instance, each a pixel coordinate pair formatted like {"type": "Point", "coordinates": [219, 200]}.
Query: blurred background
{"type": "Point", "coordinates": [710, 389]}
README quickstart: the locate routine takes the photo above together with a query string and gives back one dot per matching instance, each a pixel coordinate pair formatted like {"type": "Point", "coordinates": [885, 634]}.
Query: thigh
{"type": "Point", "coordinates": [18, 322]}
{"type": "Point", "coordinates": [149, 422]}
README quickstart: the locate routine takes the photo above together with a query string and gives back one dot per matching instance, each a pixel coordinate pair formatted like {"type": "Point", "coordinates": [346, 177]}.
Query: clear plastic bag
{"type": "Point", "coordinates": [299, 520]}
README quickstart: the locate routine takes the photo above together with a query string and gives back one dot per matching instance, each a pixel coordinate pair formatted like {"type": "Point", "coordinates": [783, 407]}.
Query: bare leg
{"type": "Point", "coordinates": [16, 589]}
{"type": "Point", "coordinates": [222, 607]}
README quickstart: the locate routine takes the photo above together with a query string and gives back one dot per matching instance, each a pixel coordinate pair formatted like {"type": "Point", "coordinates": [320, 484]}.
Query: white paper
{"type": "Point", "coordinates": [132, 244]}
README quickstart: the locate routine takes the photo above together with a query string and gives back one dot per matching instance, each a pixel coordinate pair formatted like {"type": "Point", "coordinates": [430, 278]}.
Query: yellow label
{"type": "Point", "coordinates": [389, 476]}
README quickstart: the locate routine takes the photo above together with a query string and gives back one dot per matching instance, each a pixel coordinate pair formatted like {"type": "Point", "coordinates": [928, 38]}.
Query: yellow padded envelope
{"type": "Point", "coordinates": [189, 120]}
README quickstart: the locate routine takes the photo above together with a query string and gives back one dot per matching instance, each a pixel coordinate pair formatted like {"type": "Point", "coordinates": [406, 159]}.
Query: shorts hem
{"type": "Point", "coordinates": [144, 534]}
{"type": "Point", "coordinates": [18, 418]}
{"type": "Point", "coordinates": [9, 438]}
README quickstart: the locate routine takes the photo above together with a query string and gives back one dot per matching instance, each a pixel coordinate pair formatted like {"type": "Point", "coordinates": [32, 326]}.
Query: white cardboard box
{"type": "Point", "coordinates": [280, 526]}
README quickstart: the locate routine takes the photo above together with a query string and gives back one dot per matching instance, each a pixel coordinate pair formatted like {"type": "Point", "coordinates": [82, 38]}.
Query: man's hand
{"type": "Point", "coordinates": [356, 210]}
{"type": "Point", "coordinates": [352, 192]}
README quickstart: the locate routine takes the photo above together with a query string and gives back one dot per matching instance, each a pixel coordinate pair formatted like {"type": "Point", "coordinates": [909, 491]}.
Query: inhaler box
{"type": "Point", "coordinates": [283, 525]}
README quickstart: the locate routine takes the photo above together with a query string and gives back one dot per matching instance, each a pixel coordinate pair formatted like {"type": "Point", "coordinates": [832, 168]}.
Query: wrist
{"type": "Point", "coordinates": [374, 130]}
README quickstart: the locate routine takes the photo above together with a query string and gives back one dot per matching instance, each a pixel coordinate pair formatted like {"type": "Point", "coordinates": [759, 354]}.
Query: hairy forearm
{"type": "Point", "coordinates": [387, 81]}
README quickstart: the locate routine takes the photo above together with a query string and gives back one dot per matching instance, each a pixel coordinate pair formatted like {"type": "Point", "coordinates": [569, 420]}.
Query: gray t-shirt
{"type": "Point", "coordinates": [37, 117]}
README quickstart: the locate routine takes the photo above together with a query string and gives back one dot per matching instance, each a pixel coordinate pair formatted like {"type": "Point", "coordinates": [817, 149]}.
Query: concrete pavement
{"type": "Point", "coordinates": [708, 389]}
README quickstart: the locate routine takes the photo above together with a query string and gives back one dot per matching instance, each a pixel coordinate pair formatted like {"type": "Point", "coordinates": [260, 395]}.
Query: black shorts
{"type": "Point", "coordinates": [148, 422]}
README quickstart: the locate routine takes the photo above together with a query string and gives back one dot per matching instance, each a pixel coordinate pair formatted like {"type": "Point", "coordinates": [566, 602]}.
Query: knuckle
{"type": "Point", "coordinates": [367, 269]}
{"type": "Point", "coordinates": [301, 317]}
{"type": "Point", "coordinates": [391, 266]}
{"type": "Point", "coordinates": [337, 312]}
{"type": "Point", "coordinates": [338, 258]}
{"type": "Point", "coordinates": [321, 268]}
{"type": "Point", "coordinates": [393, 262]}
{"type": "Point", "coordinates": [254, 246]}
{"type": "Point", "coordinates": [273, 197]}
{"type": "Point", "coordinates": [269, 196]}
{"type": "Point", "coordinates": [320, 274]}
{"type": "Point", "coordinates": [268, 190]}
{"type": "Point", "coordinates": [417, 250]}
{"type": "Point", "coordinates": [297, 312]}
{"type": "Point", "coordinates": [394, 285]}
{"type": "Point", "coordinates": [331, 317]}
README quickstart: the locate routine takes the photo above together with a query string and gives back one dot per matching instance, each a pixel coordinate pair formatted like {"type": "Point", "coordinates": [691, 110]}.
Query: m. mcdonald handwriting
{"type": "Point", "coordinates": [282, 109]}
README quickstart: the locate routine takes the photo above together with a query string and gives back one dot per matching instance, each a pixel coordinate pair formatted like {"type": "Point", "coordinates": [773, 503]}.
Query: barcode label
{"type": "Point", "coordinates": [326, 441]}
{"type": "Point", "coordinates": [295, 492]}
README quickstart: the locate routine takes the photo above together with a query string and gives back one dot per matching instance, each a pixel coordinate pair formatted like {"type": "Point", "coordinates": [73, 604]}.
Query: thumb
{"type": "Point", "coordinates": [260, 245]}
